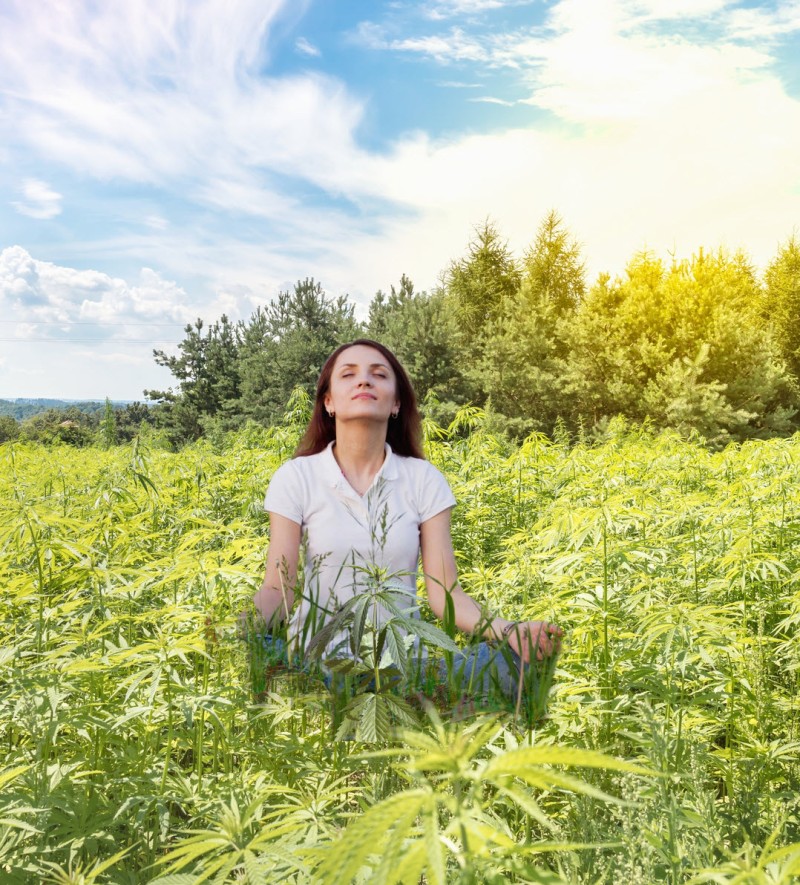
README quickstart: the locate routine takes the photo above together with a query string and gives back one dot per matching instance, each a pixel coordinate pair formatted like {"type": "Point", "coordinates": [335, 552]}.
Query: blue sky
{"type": "Point", "coordinates": [165, 160]}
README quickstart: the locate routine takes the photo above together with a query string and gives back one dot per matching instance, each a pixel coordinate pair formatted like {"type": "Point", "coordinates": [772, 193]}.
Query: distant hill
{"type": "Point", "coordinates": [22, 408]}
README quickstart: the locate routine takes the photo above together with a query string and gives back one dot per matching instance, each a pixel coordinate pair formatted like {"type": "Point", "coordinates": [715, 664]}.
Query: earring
{"type": "Point", "coordinates": [395, 414]}
{"type": "Point", "coordinates": [330, 413]}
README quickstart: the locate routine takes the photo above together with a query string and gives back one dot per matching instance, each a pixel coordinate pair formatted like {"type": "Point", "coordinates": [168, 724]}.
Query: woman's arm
{"type": "Point", "coordinates": [441, 577]}
{"type": "Point", "coordinates": [275, 599]}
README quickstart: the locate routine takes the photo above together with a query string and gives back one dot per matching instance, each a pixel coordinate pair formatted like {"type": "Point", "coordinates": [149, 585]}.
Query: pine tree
{"type": "Point", "coordinates": [782, 302]}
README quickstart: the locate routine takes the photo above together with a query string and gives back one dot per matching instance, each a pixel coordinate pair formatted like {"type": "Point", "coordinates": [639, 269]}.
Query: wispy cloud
{"type": "Point", "coordinates": [653, 122]}
{"type": "Point", "coordinates": [755, 23]}
{"type": "Point", "coordinates": [305, 48]}
{"type": "Point", "coordinates": [450, 8]}
{"type": "Point", "coordinates": [156, 222]}
{"type": "Point", "coordinates": [166, 95]}
{"type": "Point", "coordinates": [444, 48]}
{"type": "Point", "coordinates": [453, 47]}
{"type": "Point", "coordinates": [645, 100]}
{"type": "Point", "coordinates": [39, 200]}
{"type": "Point", "coordinates": [490, 99]}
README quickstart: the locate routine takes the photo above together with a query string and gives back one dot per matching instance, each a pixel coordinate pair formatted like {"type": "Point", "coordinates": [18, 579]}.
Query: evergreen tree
{"type": "Point", "coordinates": [479, 284]}
{"type": "Point", "coordinates": [553, 268]}
{"type": "Point", "coordinates": [133, 418]}
{"type": "Point", "coordinates": [522, 366]}
{"type": "Point", "coordinates": [285, 345]}
{"type": "Point", "coordinates": [782, 302]}
{"type": "Point", "coordinates": [207, 375]}
{"type": "Point", "coordinates": [423, 332]}
{"type": "Point", "coordinates": [684, 346]}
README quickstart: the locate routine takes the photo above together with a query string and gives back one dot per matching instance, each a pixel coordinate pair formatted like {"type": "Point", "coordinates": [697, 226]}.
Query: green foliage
{"type": "Point", "coordinates": [285, 345]}
{"type": "Point", "coordinates": [70, 426]}
{"type": "Point", "coordinates": [523, 363]}
{"type": "Point", "coordinates": [27, 408]}
{"type": "Point", "coordinates": [445, 826]}
{"type": "Point", "coordinates": [134, 419]}
{"type": "Point", "coordinates": [137, 732]}
{"type": "Point", "coordinates": [782, 302]}
{"type": "Point", "coordinates": [78, 425]}
{"type": "Point", "coordinates": [9, 428]}
{"type": "Point", "coordinates": [423, 332]}
{"type": "Point", "coordinates": [230, 374]}
{"type": "Point", "coordinates": [108, 426]}
{"type": "Point", "coordinates": [478, 285]}
{"type": "Point", "coordinates": [208, 377]}
{"type": "Point", "coordinates": [552, 266]}
{"type": "Point", "coordinates": [700, 346]}
{"type": "Point", "coordinates": [685, 347]}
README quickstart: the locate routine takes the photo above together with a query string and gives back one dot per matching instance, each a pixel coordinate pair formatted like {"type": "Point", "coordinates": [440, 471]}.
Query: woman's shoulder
{"type": "Point", "coordinates": [305, 464]}
{"type": "Point", "coordinates": [302, 469]}
{"type": "Point", "coordinates": [294, 485]}
{"type": "Point", "coordinates": [416, 465]}
{"type": "Point", "coordinates": [427, 485]}
{"type": "Point", "coordinates": [411, 465]}
{"type": "Point", "coordinates": [421, 472]}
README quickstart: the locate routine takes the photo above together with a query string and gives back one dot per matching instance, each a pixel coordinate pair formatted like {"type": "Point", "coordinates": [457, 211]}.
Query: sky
{"type": "Point", "coordinates": [164, 160]}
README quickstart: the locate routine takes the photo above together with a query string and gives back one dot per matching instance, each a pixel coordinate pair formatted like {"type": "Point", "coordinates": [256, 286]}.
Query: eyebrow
{"type": "Point", "coordinates": [371, 366]}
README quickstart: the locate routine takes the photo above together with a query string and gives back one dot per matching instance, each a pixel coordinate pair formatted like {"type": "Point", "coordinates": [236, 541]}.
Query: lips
{"type": "Point", "coordinates": [364, 396]}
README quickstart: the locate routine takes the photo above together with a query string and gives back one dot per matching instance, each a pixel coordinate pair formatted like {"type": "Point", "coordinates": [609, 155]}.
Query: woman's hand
{"type": "Point", "coordinates": [538, 638]}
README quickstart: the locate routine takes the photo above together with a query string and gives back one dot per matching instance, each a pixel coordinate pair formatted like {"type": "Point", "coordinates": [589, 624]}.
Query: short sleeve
{"type": "Point", "coordinates": [285, 493]}
{"type": "Point", "coordinates": [434, 492]}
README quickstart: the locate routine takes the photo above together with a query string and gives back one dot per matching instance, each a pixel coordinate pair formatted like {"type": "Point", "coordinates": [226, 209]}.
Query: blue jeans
{"type": "Point", "coordinates": [478, 671]}
{"type": "Point", "coordinates": [483, 669]}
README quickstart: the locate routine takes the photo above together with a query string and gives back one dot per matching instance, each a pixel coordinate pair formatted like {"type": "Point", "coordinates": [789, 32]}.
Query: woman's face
{"type": "Point", "coordinates": [363, 385]}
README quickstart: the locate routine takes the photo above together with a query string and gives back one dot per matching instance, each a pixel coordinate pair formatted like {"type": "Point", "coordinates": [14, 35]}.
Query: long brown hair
{"type": "Point", "coordinates": [404, 433]}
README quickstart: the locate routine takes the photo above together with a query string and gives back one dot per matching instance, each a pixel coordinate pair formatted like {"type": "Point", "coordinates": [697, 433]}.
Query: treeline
{"type": "Point", "coordinates": [701, 345]}
{"type": "Point", "coordinates": [79, 424]}
{"type": "Point", "coordinates": [20, 409]}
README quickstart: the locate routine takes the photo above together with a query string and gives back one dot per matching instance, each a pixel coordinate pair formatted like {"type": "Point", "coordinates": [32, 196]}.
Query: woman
{"type": "Point", "coordinates": [360, 494]}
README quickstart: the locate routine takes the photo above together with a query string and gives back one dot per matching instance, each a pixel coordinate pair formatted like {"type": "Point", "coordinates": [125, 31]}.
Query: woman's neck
{"type": "Point", "coordinates": [360, 452]}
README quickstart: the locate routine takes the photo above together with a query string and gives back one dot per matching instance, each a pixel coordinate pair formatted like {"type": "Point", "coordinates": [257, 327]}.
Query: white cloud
{"type": "Point", "coordinates": [755, 23]}
{"type": "Point", "coordinates": [450, 8]}
{"type": "Point", "coordinates": [455, 46]}
{"type": "Point", "coordinates": [595, 71]}
{"type": "Point", "coordinates": [656, 132]}
{"type": "Point", "coordinates": [305, 48]}
{"type": "Point", "coordinates": [66, 322]}
{"type": "Point", "coordinates": [489, 99]}
{"type": "Point", "coordinates": [167, 95]}
{"type": "Point", "coordinates": [443, 48]}
{"type": "Point", "coordinates": [40, 200]}
{"type": "Point", "coordinates": [115, 359]}
{"type": "Point", "coordinates": [156, 222]}
{"type": "Point", "coordinates": [667, 138]}
{"type": "Point", "coordinates": [50, 300]}
{"type": "Point", "coordinates": [675, 9]}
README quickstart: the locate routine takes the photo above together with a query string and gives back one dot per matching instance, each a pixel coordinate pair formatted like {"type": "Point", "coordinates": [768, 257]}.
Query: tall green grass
{"type": "Point", "coordinates": [141, 742]}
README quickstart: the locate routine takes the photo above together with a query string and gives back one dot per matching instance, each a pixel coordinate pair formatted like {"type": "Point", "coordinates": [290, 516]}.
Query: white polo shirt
{"type": "Point", "coordinates": [347, 535]}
